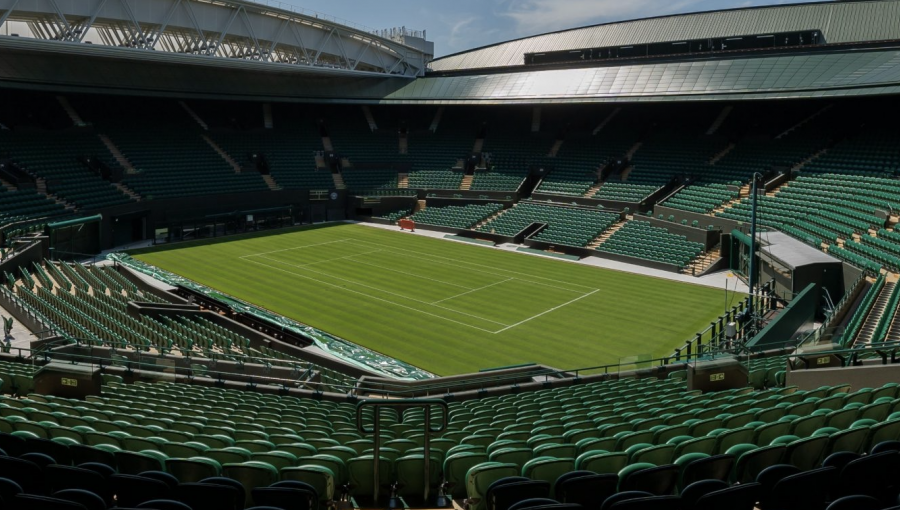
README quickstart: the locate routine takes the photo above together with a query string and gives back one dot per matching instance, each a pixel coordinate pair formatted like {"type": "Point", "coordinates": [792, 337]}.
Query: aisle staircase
{"type": "Point", "coordinates": [593, 190]}
{"type": "Point", "coordinates": [555, 149]}
{"type": "Point", "coordinates": [270, 182]}
{"type": "Point", "coordinates": [70, 111]}
{"type": "Point", "coordinates": [370, 118]}
{"type": "Point", "coordinates": [490, 218]}
{"type": "Point", "coordinates": [403, 180]}
{"type": "Point", "coordinates": [41, 187]}
{"type": "Point", "coordinates": [606, 121]}
{"type": "Point", "coordinates": [194, 115]}
{"type": "Point", "coordinates": [719, 120]}
{"type": "Point", "coordinates": [744, 192]}
{"type": "Point", "coordinates": [128, 191]}
{"type": "Point", "coordinates": [437, 119]}
{"type": "Point", "coordinates": [606, 234]}
{"type": "Point", "coordinates": [701, 263]}
{"type": "Point", "coordinates": [268, 123]}
{"type": "Point", "coordinates": [806, 161]}
{"type": "Point", "coordinates": [338, 181]}
{"type": "Point", "coordinates": [803, 122]}
{"type": "Point", "coordinates": [221, 152]}
{"type": "Point", "coordinates": [715, 159]}
{"type": "Point", "coordinates": [466, 182]}
{"type": "Point", "coordinates": [867, 330]}
{"type": "Point", "coordinates": [117, 155]}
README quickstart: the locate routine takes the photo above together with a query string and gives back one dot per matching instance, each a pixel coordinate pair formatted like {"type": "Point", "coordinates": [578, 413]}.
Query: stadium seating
{"type": "Point", "coordinates": [576, 165]}
{"type": "Point", "coordinates": [648, 434]}
{"type": "Point", "coordinates": [461, 217]}
{"type": "Point", "coordinates": [642, 240]}
{"type": "Point", "coordinates": [89, 303]}
{"type": "Point", "coordinates": [435, 179]}
{"type": "Point", "coordinates": [54, 156]}
{"type": "Point", "coordinates": [662, 158]}
{"type": "Point", "coordinates": [565, 225]}
{"type": "Point", "coordinates": [161, 162]}
{"type": "Point", "coordinates": [503, 176]}
{"type": "Point", "coordinates": [393, 216]}
{"type": "Point", "coordinates": [288, 151]}
{"type": "Point", "coordinates": [21, 205]}
{"type": "Point", "coordinates": [364, 180]}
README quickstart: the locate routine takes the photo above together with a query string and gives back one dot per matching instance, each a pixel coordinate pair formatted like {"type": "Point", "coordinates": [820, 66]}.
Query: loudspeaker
{"type": "Point", "coordinates": [716, 375]}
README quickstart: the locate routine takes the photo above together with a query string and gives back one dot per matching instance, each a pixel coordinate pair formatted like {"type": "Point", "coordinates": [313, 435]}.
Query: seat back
{"type": "Point", "coordinates": [736, 497]}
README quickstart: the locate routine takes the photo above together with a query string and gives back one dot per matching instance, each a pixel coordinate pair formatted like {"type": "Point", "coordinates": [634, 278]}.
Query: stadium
{"type": "Point", "coordinates": [255, 257]}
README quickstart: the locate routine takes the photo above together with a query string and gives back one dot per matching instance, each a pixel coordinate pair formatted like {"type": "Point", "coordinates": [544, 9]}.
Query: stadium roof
{"type": "Point", "coordinates": [840, 22]}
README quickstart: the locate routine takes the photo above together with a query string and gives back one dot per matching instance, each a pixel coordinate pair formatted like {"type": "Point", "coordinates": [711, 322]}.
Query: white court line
{"type": "Point", "coordinates": [318, 262]}
{"type": "Point", "coordinates": [489, 269]}
{"type": "Point", "coordinates": [294, 248]}
{"type": "Point", "coordinates": [408, 273]}
{"type": "Point", "coordinates": [370, 296]}
{"type": "Point", "coordinates": [546, 312]}
{"type": "Point", "coordinates": [473, 290]}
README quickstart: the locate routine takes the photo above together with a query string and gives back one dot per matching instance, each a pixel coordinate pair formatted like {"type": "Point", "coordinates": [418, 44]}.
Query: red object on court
{"type": "Point", "coordinates": [407, 224]}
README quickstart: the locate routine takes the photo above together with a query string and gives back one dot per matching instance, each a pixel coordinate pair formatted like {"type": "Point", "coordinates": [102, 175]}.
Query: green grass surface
{"type": "Point", "coordinates": [448, 307]}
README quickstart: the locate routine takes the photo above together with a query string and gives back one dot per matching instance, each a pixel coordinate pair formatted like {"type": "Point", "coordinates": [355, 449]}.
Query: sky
{"type": "Point", "coordinates": [459, 25]}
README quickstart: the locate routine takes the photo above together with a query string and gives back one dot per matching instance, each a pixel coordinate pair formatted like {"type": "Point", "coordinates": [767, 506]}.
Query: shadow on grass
{"type": "Point", "coordinates": [229, 238]}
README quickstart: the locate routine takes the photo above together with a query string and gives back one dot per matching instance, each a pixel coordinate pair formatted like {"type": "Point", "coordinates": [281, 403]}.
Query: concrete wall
{"type": "Point", "coordinates": [159, 213]}
{"type": "Point", "coordinates": [857, 377]}
{"type": "Point", "coordinates": [700, 234]}
{"type": "Point", "coordinates": [800, 311]}
{"type": "Point", "coordinates": [23, 257]}
{"type": "Point", "coordinates": [723, 224]}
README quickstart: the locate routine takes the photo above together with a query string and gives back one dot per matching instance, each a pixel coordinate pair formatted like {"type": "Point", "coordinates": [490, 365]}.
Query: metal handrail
{"type": "Point", "coordinates": [376, 431]}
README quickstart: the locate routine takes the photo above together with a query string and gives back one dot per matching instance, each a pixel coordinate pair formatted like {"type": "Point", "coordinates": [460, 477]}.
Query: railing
{"type": "Point", "coordinates": [47, 328]}
{"type": "Point", "coordinates": [376, 431]}
{"type": "Point", "coordinates": [387, 393]}
{"type": "Point", "coordinates": [714, 334]}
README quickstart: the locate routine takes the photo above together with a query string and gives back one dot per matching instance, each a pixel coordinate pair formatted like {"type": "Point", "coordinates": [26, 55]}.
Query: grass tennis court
{"type": "Point", "coordinates": [447, 307]}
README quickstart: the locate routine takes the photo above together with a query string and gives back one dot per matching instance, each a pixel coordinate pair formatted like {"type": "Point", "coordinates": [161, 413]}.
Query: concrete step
{"type": "Point", "coordinates": [117, 154]}
{"type": "Point", "coordinates": [267, 116]}
{"type": "Point", "coordinates": [403, 180]}
{"type": "Point", "coordinates": [193, 115]}
{"type": "Point", "coordinates": [555, 149]}
{"type": "Point", "coordinates": [436, 120]}
{"type": "Point", "coordinates": [128, 191]}
{"type": "Point", "coordinates": [221, 152]}
{"type": "Point", "coordinates": [71, 112]}
{"type": "Point", "coordinates": [606, 121]}
{"type": "Point", "coordinates": [367, 112]}
{"type": "Point", "coordinates": [606, 234]}
{"type": "Point", "coordinates": [719, 120]}
{"type": "Point", "coordinates": [466, 182]}
{"type": "Point", "coordinates": [338, 181]}
{"type": "Point", "coordinates": [270, 182]}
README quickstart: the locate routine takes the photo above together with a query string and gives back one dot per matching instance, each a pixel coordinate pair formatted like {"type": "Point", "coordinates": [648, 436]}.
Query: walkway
{"type": "Point", "coordinates": [717, 280]}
